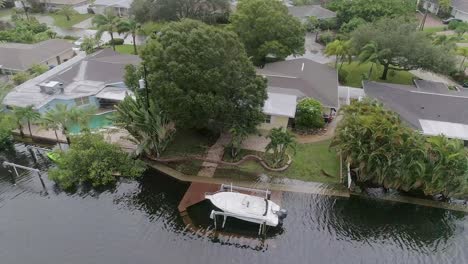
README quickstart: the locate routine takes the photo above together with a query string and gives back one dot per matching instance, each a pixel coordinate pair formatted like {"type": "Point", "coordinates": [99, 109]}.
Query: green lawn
{"type": "Point", "coordinates": [309, 163]}
{"type": "Point", "coordinates": [61, 21]}
{"type": "Point", "coordinates": [125, 49]}
{"type": "Point", "coordinates": [434, 29]}
{"type": "Point", "coordinates": [5, 12]}
{"type": "Point", "coordinates": [356, 72]}
{"type": "Point", "coordinates": [189, 142]}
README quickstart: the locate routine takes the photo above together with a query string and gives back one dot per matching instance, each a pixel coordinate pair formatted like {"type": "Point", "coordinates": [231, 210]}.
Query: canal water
{"type": "Point", "coordinates": [138, 222]}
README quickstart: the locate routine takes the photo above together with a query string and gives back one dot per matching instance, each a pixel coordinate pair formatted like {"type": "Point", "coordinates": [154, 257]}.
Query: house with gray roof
{"type": "Point", "coordinates": [120, 7]}
{"type": "Point", "coordinates": [57, 4]}
{"type": "Point", "coordinates": [427, 106]}
{"type": "Point", "coordinates": [292, 80]}
{"type": "Point", "coordinates": [305, 11]}
{"type": "Point", "coordinates": [459, 8]}
{"type": "Point", "coordinates": [97, 80]}
{"type": "Point", "coordinates": [18, 57]}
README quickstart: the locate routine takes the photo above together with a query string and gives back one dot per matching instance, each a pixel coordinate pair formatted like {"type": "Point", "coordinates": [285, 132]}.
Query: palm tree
{"type": "Point", "coordinates": [2, 3]}
{"type": "Point", "coordinates": [107, 22]}
{"type": "Point", "coordinates": [281, 140]}
{"type": "Point", "coordinates": [66, 117]}
{"type": "Point", "coordinates": [67, 11]}
{"type": "Point", "coordinates": [47, 124]}
{"type": "Point", "coordinates": [341, 49]}
{"type": "Point", "coordinates": [149, 126]}
{"type": "Point", "coordinates": [29, 114]}
{"type": "Point", "coordinates": [130, 26]}
{"type": "Point", "coordinates": [18, 113]}
{"type": "Point", "coordinates": [370, 53]}
{"type": "Point", "coordinates": [462, 51]}
{"type": "Point", "coordinates": [239, 134]}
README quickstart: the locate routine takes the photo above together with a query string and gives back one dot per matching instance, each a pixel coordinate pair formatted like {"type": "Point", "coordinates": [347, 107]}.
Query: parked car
{"type": "Point", "coordinates": [77, 44]}
{"type": "Point", "coordinates": [448, 20]}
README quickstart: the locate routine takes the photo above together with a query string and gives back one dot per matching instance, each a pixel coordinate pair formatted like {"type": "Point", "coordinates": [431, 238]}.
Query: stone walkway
{"type": "Point", "coordinates": [317, 138]}
{"type": "Point", "coordinates": [214, 153]}
{"type": "Point", "coordinates": [430, 76]}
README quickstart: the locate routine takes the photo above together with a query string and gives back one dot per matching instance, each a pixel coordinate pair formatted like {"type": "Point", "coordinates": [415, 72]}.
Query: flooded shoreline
{"type": "Point", "coordinates": [138, 222]}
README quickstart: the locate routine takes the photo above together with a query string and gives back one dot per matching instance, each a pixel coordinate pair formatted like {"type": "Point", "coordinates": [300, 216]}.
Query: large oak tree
{"type": "Point", "coordinates": [202, 78]}
{"type": "Point", "coordinates": [267, 29]}
{"type": "Point", "coordinates": [400, 46]}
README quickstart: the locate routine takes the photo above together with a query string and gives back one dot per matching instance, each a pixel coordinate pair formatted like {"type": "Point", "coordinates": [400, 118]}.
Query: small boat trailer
{"type": "Point", "coordinates": [251, 208]}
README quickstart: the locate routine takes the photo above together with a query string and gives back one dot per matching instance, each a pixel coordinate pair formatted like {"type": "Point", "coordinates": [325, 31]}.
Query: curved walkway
{"type": "Point", "coordinates": [304, 139]}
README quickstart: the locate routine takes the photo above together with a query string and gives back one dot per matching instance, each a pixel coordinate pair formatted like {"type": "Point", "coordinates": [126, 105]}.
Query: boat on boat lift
{"type": "Point", "coordinates": [251, 208]}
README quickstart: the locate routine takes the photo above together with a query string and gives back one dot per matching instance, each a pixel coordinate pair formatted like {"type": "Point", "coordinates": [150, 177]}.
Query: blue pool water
{"type": "Point", "coordinates": [97, 121]}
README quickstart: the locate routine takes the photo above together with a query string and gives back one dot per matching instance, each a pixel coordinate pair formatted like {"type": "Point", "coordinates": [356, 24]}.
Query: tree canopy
{"type": "Point", "coordinates": [170, 10]}
{"type": "Point", "coordinates": [385, 152]}
{"type": "Point", "coordinates": [92, 160]}
{"type": "Point", "coordinates": [402, 47]}
{"type": "Point", "coordinates": [267, 29]}
{"type": "Point", "coordinates": [370, 10]}
{"type": "Point", "coordinates": [309, 114]}
{"type": "Point", "coordinates": [202, 78]}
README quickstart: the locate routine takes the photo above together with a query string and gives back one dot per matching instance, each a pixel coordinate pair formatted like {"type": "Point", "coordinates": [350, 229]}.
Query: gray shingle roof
{"type": "Point", "coordinates": [303, 78]}
{"type": "Point", "coordinates": [414, 105]}
{"type": "Point", "coordinates": [460, 5]}
{"type": "Point", "coordinates": [81, 76]}
{"type": "Point", "coordinates": [64, 2]}
{"type": "Point", "coordinates": [115, 3]}
{"type": "Point", "coordinates": [311, 10]}
{"type": "Point", "coordinates": [20, 57]}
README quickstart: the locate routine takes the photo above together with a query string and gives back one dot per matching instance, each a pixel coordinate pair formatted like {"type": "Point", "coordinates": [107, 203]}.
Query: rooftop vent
{"type": "Point", "coordinates": [51, 87]}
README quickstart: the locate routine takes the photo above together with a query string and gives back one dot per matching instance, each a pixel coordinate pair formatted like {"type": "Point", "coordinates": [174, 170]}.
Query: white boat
{"type": "Point", "coordinates": [246, 207]}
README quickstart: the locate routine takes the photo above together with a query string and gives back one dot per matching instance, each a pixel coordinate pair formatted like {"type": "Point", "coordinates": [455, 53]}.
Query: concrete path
{"type": "Point", "coordinates": [430, 76]}
{"type": "Point", "coordinates": [215, 152]}
{"type": "Point", "coordinates": [85, 24]}
{"type": "Point", "coordinates": [314, 51]}
{"type": "Point", "coordinates": [305, 139]}
{"type": "Point", "coordinates": [255, 143]}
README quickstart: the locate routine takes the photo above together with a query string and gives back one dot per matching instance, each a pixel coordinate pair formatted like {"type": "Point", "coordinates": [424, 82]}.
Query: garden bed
{"type": "Point", "coordinates": [311, 162]}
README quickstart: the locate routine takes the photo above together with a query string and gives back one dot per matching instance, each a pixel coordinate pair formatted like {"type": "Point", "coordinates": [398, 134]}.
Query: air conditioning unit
{"type": "Point", "coordinates": [51, 87]}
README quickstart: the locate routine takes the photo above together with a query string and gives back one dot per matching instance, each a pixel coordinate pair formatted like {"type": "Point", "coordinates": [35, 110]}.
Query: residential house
{"type": "Point", "coordinates": [431, 6]}
{"type": "Point", "coordinates": [293, 80]}
{"type": "Point", "coordinates": [120, 7]}
{"type": "Point", "coordinates": [58, 4]}
{"type": "Point", "coordinates": [429, 107]}
{"type": "Point", "coordinates": [459, 8]}
{"type": "Point", "coordinates": [305, 11]}
{"type": "Point", "coordinates": [94, 80]}
{"type": "Point", "coordinates": [18, 57]}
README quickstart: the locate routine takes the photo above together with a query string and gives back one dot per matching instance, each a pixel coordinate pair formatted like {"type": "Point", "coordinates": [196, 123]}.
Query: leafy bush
{"type": "Point", "coordinates": [342, 75]}
{"type": "Point", "coordinates": [7, 123]}
{"type": "Point", "coordinates": [453, 24]}
{"type": "Point", "coordinates": [309, 114]}
{"type": "Point", "coordinates": [326, 38]}
{"type": "Point", "coordinates": [68, 37]}
{"type": "Point", "coordinates": [352, 25]}
{"type": "Point", "coordinates": [26, 31]}
{"type": "Point", "coordinates": [116, 41]}
{"type": "Point", "coordinates": [384, 151]}
{"type": "Point", "coordinates": [90, 159]}
{"type": "Point", "coordinates": [328, 24]}
{"type": "Point", "coordinates": [21, 77]}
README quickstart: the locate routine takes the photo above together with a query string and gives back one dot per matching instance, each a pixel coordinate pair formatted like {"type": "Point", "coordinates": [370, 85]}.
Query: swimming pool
{"type": "Point", "coordinates": [96, 122]}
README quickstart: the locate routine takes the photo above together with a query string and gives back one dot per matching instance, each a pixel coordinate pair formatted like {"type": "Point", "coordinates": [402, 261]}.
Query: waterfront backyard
{"type": "Point", "coordinates": [138, 222]}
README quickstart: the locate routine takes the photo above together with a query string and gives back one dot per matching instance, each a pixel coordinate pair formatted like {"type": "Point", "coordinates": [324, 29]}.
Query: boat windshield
{"type": "Point", "coordinates": [266, 207]}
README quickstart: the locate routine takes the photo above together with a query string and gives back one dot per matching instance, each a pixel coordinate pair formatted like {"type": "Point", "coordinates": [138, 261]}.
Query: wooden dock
{"type": "Point", "coordinates": [195, 194]}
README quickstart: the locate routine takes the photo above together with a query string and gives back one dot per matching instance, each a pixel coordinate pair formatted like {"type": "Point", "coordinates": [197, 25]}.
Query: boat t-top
{"type": "Point", "coordinates": [251, 208]}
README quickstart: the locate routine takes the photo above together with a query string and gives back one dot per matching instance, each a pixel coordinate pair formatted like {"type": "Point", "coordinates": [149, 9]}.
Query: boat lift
{"type": "Point", "coordinates": [15, 166]}
{"type": "Point", "coordinates": [225, 187]}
